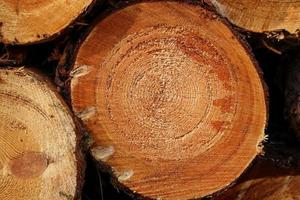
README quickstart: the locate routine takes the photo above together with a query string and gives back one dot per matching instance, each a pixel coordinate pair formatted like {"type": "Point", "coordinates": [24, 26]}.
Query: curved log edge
{"type": "Point", "coordinates": [265, 181]}
{"type": "Point", "coordinates": [19, 27]}
{"type": "Point", "coordinates": [40, 155]}
{"type": "Point", "coordinates": [133, 159]}
{"type": "Point", "coordinates": [273, 18]}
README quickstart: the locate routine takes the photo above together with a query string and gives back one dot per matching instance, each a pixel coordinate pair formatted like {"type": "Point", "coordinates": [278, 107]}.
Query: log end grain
{"type": "Point", "coordinates": [171, 97]}
{"type": "Point", "coordinates": [261, 16]}
{"type": "Point", "coordinates": [37, 139]}
{"type": "Point", "coordinates": [23, 22]}
{"type": "Point", "coordinates": [265, 181]}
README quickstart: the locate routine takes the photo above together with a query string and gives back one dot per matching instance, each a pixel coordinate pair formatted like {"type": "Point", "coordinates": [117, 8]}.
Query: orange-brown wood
{"type": "Point", "coordinates": [262, 15]}
{"type": "Point", "coordinates": [265, 181]}
{"type": "Point", "coordinates": [38, 151]}
{"type": "Point", "coordinates": [171, 97]}
{"type": "Point", "coordinates": [32, 21]}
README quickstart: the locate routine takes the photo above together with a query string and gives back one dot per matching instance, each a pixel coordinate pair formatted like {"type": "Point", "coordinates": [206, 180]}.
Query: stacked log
{"type": "Point", "coordinates": [39, 155]}
{"type": "Point", "coordinates": [168, 94]}
{"type": "Point", "coordinates": [171, 97]}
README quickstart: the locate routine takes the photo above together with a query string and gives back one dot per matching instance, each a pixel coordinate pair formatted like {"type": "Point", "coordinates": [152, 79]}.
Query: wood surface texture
{"type": "Point", "coordinates": [262, 15]}
{"type": "Point", "coordinates": [171, 97]}
{"type": "Point", "coordinates": [37, 139]}
{"type": "Point", "coordinates": [32, 21]}
{"type": "Point", "coordinates": [265, 181]}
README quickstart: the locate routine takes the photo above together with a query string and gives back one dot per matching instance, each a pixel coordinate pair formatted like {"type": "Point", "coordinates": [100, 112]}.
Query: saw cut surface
{"type": "Point", "coordinates": [265, 181]}
{"type": "Point", "coordinates": [262, 15]}
{"type": "Point", "coordinates": [24, 21]}
{"type": "Point", "coordinates": [171, 97]}
{"type": "Point", "coordinates": [37, 140]}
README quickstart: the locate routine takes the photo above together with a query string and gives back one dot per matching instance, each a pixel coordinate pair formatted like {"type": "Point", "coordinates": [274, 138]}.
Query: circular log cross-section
{"type": "Point", "coordinates": [31, 21]}
{"type": "Point", "coordinates": [262, 15]}
{"type": "Point", "coordinates": [37, 140]}
{"type": "Point", "coordinates": [171, 97]}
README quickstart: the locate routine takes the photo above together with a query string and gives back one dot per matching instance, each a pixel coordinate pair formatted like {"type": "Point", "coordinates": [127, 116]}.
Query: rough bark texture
{"type": "Point", "coordinates": [171, 97]}
{"type": "Point", "coordinates": [262, 15]}
{"type": "Point", "coordinates": [24, 22]}
{"type": "Point", "coordinates": [38, 146]}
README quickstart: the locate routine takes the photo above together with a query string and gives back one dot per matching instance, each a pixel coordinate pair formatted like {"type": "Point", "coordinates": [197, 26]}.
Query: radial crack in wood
{"type": "Point", "coordinates": [175, 95]}
{"type": "Point", "coordinates": [262, 15]}
{"type": "Point", "coordinates": [38, 152]}
{"type": "Point", "coordinates": [36, 20]}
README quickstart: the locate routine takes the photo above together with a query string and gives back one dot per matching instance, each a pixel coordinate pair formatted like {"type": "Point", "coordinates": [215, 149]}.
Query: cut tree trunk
{"type": "Point", "coordinates": [266, 182]}
{"type": "Point", "coordinates": [262, 15]}
{"type": "Point", "coordinates": [172, 99]}
{"type": "Point", "coordinates": [39, 159]}
{"type": "Point", "coordinates": [24, 22]}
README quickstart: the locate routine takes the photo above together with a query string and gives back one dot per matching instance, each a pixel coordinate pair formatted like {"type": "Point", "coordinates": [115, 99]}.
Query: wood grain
{"type": "Point", "coordinates": [24, 22]}
{"type": "Point", "coordinates": [38, 158]}
{"type": "Point", "coordinates": [262, 15]}
{"type": "Point", "coordinates": [171, 97]}
{"type": "Point", "coordinates": [265, 181]}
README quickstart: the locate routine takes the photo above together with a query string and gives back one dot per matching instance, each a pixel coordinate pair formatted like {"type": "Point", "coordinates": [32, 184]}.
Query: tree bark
{"type": "Point", "coordinates": [261, 16]}
{"type": "Point", "coordinates": [23, 22]}
{"type": "Point", "coordinates": [172, 98]}
{"type": "Point", "coordinates": [39, 156]}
